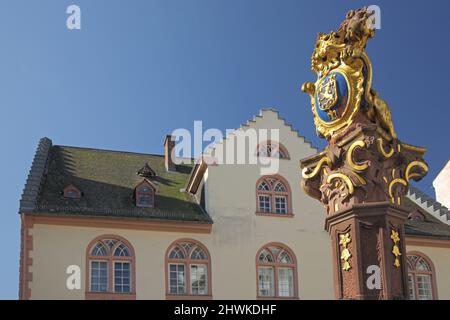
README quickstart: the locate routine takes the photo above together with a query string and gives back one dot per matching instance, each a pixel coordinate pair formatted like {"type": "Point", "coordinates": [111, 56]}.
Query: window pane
{"type": "Point", "coordinates": [110, 242]}
{"type": "Point", "coordinates": [122, 251]}
{"type": "Point", "coordinates": [422, 265]}
{"type": "Point", "coordinates": [99, 276]}
{"type": "Point", "coordinates": [187, 246]}
{"type": "Point", "coordinates": [265, 256]}
{"type": "Point", "coordinates": [285, 282]}
{"type": "Point", "coordinates": [122, 281]}
{"type": "Point", "coordinates": [284, 257]}
{"type": "Point", "coordinates": [73, 194]}
{"type": "Point", "coordinates": [198, 254]}
{"type": "Point", "coordinates": [177, 279]}
{"type": "Point", "coordinates": [264, 204]}
{"type": "Point", "coordinates": [279, 187]}
{"type": "Point", "coordinates": [144, 197]}
{"type": "Point", "coordinates": [145, 200]}
{"type": "Point", "coordinates": [411, 287]}
{"type": "Point", "coordinates": [265, 282]}
{"type": "Point", "coordinates": [264, 186]}
{"type": "Point", "coordinates": [280, 205]}
{"type": "Point", "coordinates": [199, 285]}
{"type": "Point", "coordinates": [176, 253]}
{"type": "Point", "coordinates": [424, 287]}
{"type": "Point", "coordinates": [99, 250]}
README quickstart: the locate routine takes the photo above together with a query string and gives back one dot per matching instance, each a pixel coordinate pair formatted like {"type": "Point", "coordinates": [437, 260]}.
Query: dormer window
{"type": "Point", "coordinates": [272, 149]}
{"type": "Point", "coordinates": [145, 195]}
{"type": "Point", "coordinates": [416, 216]}
{"type": "Point", "coordinates": [71, 192]}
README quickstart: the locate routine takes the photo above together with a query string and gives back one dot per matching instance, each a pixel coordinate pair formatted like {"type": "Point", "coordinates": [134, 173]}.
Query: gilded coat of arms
{"type": "Point", "coordinates": [327, 96]}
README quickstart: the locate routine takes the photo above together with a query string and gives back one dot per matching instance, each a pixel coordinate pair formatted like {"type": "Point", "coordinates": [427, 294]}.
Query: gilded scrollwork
{"type": "Point", "coordinates": [410, 174]}
{"type": "Point", "coordinates": [350, 160]}
{"type": "Point", "coordinates": [386, 154]}
{"type": "Point", "coordinates": [342, 52]}
{"type": "Point", "coordinates": [363, 161]}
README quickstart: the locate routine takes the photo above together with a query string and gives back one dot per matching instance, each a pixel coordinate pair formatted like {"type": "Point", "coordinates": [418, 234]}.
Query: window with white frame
{"type": "Point", "coordinates": [110, 264]}
{"type": "Point", "coordinates": [273, 196]}
{"type": "Point", "coordinates": [420, 277]}
{"type": "Point", "coordinates": [188, 269]}
{"type": "Point", "coordinates": [264, 203]}
{"type": "Point", "coordinates": [276, 270]}
{"type": "Point", "coordinates": [177, 279]}
{"type": "Point", "coordinates": [99, 276]}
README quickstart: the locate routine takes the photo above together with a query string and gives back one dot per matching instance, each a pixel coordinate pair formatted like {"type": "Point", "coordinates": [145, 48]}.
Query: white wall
{"type": "Point", "coordinates": [441, 186]}
{"type": "Point", "coordinates": [238, 233]}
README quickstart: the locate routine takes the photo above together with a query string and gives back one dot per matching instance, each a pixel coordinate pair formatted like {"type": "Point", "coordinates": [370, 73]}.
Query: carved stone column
{"type": "Point", "coordinates": [364, 239]}
{"type": "Point", "coordinates": [364, 171]}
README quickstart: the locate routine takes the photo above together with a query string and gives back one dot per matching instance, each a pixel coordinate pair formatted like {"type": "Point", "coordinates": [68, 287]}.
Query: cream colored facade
{"type": "Point", "coordinates": [236, 236]}
{"type": "Point", "coordinates": [440, 257]}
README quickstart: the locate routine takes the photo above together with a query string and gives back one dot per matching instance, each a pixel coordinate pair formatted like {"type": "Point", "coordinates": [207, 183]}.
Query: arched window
{"type": "Point", "coordinates": [273, 196]}
{"type": "Point", "coordinates": [188, 269]}
{"type": "Point", "coordinates": [145, 194]}
{"type": "Point", "coordinates": [110, 261]}
{"type": "Point", "coordinates": [272, 149]}
{"type": "Point", "coordinates": [276, 268]}
{"type": "Point", "coordinates": [421, 277]}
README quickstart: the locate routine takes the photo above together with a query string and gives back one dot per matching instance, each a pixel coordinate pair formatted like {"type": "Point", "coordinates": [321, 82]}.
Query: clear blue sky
{"type": "Point", "coordinates": [139, 69]}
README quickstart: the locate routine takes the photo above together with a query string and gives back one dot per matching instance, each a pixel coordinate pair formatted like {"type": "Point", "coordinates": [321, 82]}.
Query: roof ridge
{"type": "Point", "coordinates": [109, 150]}
{"type": "Point", "coordinates": [35, 177]}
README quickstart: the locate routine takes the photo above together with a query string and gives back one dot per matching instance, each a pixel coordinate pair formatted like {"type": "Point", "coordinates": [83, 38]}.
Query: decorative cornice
{"type": "Point", "coordinates": [131, 224]}
{"type": "Point", "coordinates": [427, 242]}
{"type": "Point", "coordinates": [122, 214]}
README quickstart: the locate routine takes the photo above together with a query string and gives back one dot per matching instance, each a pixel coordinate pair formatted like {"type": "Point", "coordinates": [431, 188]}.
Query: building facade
{"type": "Point", "coordinates": [140, 226]}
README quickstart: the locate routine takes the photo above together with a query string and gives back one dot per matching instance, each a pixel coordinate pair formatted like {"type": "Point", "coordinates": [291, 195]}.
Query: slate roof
{"type": "Point", "coordinates": [107, 180]}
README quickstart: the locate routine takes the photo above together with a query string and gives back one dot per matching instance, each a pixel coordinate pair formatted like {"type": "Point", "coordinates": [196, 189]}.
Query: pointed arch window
{"type": "Point", "coordinates": [110, 261]}
{"type": "Point", "coordinates": [145, 194]}
{"type": "Point", "coordinates": [421, 277]}
{"type": "Point", "coordinates": [188, 270]}
{"type": "Point", "coordinates": [276, 268]}
{"type": "Point", "coordinates": [273, 196]}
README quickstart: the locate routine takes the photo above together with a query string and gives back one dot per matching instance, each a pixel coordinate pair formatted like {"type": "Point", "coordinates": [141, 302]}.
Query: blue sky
{"type": "Point", "coordinates": [139, 69]}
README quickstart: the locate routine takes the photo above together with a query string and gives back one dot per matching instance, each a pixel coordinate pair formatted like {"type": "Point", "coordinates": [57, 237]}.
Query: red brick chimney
{"type": "Point", "coordinates": [169, 153]}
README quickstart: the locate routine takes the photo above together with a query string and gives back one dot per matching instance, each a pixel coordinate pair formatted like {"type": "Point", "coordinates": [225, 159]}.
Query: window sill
{"type": "Point", "coordinates": [187, 297]}
{"type": "Point", "coordinates": [278, 215]}
{"type": "Point", "coordinates": [109, 296]}
{"type": "Point", "coordinates": [277, 298]}
{"type": "Point", "coordinates": [274, 158]}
